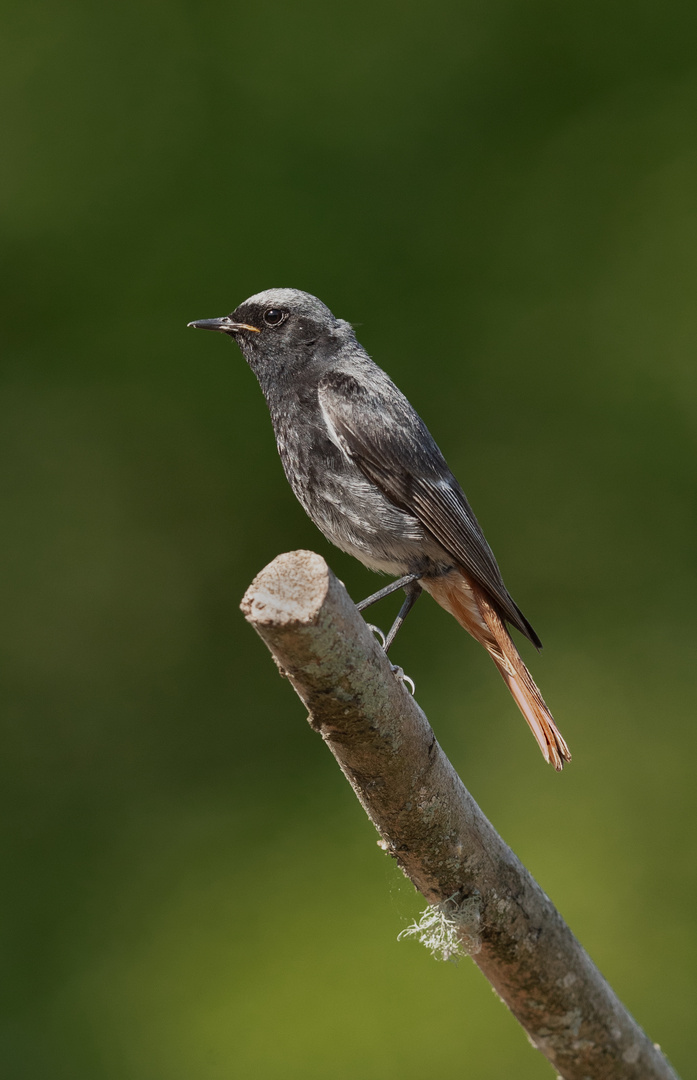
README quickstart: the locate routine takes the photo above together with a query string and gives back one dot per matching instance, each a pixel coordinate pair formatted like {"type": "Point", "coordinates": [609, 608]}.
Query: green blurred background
{"type": "Point", "coordinates": [503, 196]}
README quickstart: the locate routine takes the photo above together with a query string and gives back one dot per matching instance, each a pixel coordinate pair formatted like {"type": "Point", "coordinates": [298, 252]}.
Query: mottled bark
{"type": "Point", "coordinates": [431, 825]}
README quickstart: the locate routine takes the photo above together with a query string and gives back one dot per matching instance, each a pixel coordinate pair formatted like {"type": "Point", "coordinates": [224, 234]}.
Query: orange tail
{"type": "Point", "coordinates": [468, 603]}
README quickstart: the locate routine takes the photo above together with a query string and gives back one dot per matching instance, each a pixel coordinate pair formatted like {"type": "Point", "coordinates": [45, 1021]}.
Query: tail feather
{"type": "Point", "coordinates": [468, 603]}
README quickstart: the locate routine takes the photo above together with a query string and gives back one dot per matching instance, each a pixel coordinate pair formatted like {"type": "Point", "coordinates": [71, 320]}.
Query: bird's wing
{"type": "Point", "coordinates": [376, 426]}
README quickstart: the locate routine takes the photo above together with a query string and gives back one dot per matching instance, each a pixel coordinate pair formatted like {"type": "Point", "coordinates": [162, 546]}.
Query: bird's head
{"type": "Point", "coordinates": [279, 330]}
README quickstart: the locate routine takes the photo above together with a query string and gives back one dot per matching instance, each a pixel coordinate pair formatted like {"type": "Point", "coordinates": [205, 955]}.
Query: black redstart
{"type": "Point", "coordinates": [370, 475]}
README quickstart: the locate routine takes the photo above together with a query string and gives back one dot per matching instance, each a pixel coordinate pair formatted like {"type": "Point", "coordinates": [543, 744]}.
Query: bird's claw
{"type": "Point", "coordinates": [397, 671]}
{"type": "Point", "coordinates": [378, 634]}
{"type": "Point", "coordinates": [401, 677]}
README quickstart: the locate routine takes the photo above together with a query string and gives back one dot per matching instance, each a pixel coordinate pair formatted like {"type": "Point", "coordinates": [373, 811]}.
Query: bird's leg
{"type": "Point", "coordinates": [413, 591]}
{"type": "Point", "coordinates": [400, 583]}
{"type": "Point", "coordinates": [410, 584]}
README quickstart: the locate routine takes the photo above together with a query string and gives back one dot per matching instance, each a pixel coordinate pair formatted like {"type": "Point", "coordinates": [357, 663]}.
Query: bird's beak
{"type": "Point", "coordinates": [224, 325]}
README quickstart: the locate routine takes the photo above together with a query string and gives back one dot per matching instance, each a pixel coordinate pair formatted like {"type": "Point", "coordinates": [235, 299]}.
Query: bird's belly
{"type": "Point", "coordinates": [355, 516]}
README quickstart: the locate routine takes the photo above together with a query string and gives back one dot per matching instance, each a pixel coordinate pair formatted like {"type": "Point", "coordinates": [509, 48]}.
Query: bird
{"type": "Point", "coordinates": [368, 472]}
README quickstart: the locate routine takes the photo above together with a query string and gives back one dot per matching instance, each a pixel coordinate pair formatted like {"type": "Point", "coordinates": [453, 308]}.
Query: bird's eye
{"type": "Point", "coordinates": [273, 316]}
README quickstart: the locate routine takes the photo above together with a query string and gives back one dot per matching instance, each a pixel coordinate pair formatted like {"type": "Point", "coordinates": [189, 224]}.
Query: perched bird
{"type": "Point", "coordinates": [370, 475]}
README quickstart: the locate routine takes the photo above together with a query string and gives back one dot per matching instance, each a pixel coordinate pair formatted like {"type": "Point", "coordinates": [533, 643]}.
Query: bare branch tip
{"type": "Point", "coordinates": [289, 591]}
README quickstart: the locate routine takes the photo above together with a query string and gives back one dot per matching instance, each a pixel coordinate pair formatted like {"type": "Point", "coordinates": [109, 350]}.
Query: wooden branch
{"type": "Point", "coordinates": [481, 894]}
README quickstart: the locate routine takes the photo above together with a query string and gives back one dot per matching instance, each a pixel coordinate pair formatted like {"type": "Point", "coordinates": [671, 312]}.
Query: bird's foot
{"type": "Point", "coordinates": [398, 673]}
{"type": "Point", "coordinates": [378, 634]}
